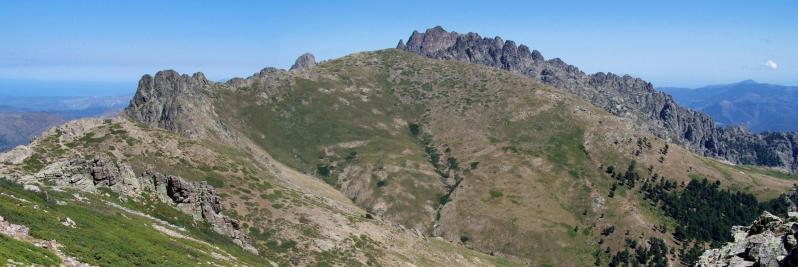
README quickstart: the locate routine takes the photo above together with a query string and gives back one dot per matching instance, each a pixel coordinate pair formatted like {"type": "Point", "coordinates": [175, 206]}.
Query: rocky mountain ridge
{"type": "Point", "coordinates": [349, 123]}
{"type": "Point", "coordinates": [623, 96]}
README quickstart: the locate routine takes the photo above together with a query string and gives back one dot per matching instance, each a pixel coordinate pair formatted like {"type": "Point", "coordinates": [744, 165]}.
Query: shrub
{"type": "Point", "coordinates": [495, 193]}
{"type": "Point", "coordinates": [414, 128]}
{"type": "Point", "coordinates": [452, 163]}
{"type": "Point", "coordinates": [464, 238]}
{"type": "Point", "coordinates": [324, 170]}
{"type": "Point", "coordinates": [608, 230]}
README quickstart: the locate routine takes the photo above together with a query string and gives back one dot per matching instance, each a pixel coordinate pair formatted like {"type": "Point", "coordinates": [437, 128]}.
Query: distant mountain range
{"type": "Point", "coordinates": [24, 117]}
{"type": "Point", "coordinates": [759, 106]}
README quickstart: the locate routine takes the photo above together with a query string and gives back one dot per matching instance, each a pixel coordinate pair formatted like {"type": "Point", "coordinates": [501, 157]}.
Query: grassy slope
{"type": "Point", "coordinates": [284, 216]}
{"type": "Point", "coordinates": [333, 132]}
{"type": "Point", "coordinates": [307, 116]}
{"type": "Point", "coordinates": [528, 170]}
{"type": "Point", "coordinates": [25, 253]}
{"type": "Point", "coordinates": [105, 235]}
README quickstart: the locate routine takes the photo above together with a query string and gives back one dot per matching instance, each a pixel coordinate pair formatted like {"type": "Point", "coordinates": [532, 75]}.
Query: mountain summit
{"type": "Point", "coordinates": [305, 61]}
{"type": "Point", "coordinates": [623, 96]}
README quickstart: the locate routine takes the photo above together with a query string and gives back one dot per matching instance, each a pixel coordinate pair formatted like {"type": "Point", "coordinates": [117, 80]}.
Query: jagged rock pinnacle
{"type": "Point", "coordinates": [173, 101]}
{"type": "Point", "coordinates": [305, 61]}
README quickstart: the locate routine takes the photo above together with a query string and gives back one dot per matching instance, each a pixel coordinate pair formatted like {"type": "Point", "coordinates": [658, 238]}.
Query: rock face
{"type": "Point", "coordinates": [305, 61]}
{"type": "Point", "coordinates": [174, 102]}
{"type": "Point", "coordinates": [88, 175]}
{"type": "Point", "coordinates": [197, 199]}
{"type": "Point", "coordinates": [770, 241]}
{"type": "Point", "coordinates": [200, 200]}
{"type": "Point", "coordinates": [624, 96]}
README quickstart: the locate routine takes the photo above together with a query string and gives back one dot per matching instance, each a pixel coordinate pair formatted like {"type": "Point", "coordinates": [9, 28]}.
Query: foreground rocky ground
{"type": "Point", "coordinates": [769, 241]}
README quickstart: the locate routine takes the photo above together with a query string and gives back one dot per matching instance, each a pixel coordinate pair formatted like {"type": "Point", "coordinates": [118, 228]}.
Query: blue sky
{"type": "Point", "coordinates": [670, 43]}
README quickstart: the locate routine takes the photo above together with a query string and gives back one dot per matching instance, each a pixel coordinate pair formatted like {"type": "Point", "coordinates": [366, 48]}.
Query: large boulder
{"type": "Point", "coordinates": [88, 175]}
{"type": "Point", "coordinates": [769, 241]}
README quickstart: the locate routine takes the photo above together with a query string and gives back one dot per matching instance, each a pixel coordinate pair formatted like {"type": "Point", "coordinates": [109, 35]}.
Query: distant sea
{"type": "Point", "coordinates": [41, 88]}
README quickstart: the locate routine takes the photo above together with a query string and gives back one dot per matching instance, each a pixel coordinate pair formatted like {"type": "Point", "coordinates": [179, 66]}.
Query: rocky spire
{"type": "Point", "coordinates": [175, 102]}
{"type": "Point", "coordinates": [401, 45]}
{"type": "Point", "coordinates": [305, 61]}
{"type": "Point", "coordinates": [434, 39]}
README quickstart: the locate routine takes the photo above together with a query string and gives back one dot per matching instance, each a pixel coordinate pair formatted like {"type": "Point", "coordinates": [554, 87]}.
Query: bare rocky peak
{"type": "Point", "coordinates": [175, 102]}
{"type": "Point", "coordinates": [434, 39]}
{"type": "Point", "coordinates": [401, 45]}
{"type": "Point", "coordinates": [624, 96]}
{"type": "Point", "coordinates": [305, 61]}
